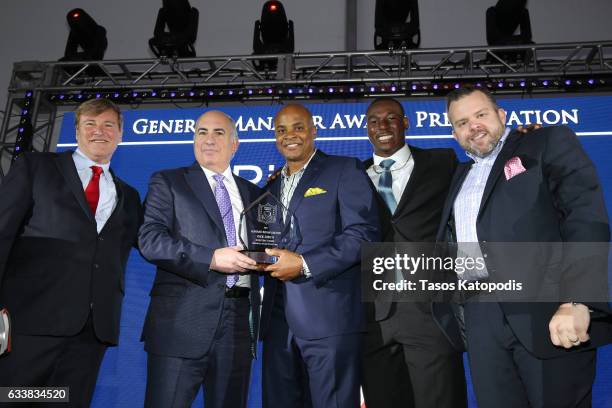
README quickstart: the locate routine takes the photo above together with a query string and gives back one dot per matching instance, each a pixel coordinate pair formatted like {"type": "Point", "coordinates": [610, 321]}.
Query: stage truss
{"type": "Point", "coordinates": [37, 89]}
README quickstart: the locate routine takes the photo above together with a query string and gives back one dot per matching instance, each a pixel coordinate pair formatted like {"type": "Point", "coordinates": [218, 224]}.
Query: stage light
{"type": "Point", "coordinates": [396, 24]}
{"type": "Point", "coordinates": [273, 34]}
{"type": "Point", "coordinates": [545, 83]}
{"type": "Point", "coordinates": [522, 84]}
{"type": "Point", "coordinates": [181, 20]}
{"type": "Point", "coordinates": [290, 91]}
{"type": "Point", "coordinates": [153, 94]}
{"type": "Point", "coordinates": [504, 19]}
{"type": "Point", "coordinates": [330, 90]}
{"type": "Point", "coordinates": [500, 84]}
{"type": "Point", "coordinates": [372, 89]}
{"type": "Point", "coordinates": [250, 92]}
{"type": "Point", "coordinates": [457, 86]}
{"type": "Point", "coordinates": [86, 41]}
{"type": "Point", "coordinates": [192, 94]}
{"type": "Point", "coordinates": [116, 95]}
{"type": "Point", "coordinates": [591, 81]}
{"type": "Point", "coordinates": [568, 82]}
{"type": "Point", "coordinates": [435, 86]}
{"type": "Point", "coordinates": [351, 89]}
{"type": "Point", "coordinates": [270, 90]}
{"type": "Point", "coordinates": [230, 92]}
{"type": "Point", "coordinates": [393, 88]}
{"type": "Point", "coordinates": [28, 94]}
{"type": "Point", "coordinates": [172, 94]}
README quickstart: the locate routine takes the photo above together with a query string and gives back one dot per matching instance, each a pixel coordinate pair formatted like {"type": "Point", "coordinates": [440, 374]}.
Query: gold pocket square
{"type": "Point", "coordinates": [312, 191]}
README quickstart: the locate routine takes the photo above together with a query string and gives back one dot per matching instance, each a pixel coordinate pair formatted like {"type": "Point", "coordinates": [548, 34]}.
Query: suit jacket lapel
{"type": "Point", "coordinates": [458, 178]}
{"type": "Point", "coordinates": [68, 170]}
{"type": "Point", "coordinates": [196, 179]}
{"type": "Point", "coordinates": [507, 150]}
{"type": "Point", "coordinates": [418, 175]}
{"type": "Point", "coordinates": [310, 175]}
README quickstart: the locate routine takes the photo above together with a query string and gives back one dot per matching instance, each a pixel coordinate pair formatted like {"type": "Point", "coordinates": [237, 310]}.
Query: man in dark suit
{"type": "Point", "coordinates": [407, 359]}
{"type": "Point", "coordinates": [312, 312]}
{"type": "Point", "coordinates": [202, 321]}
{"type": "Point", "coordinates": [67, 224]}
{"type": "Point", "coordinates": [537, 188]}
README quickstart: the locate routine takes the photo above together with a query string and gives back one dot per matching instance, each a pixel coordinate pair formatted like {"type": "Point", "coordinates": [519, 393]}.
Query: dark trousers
{"type": "Point", "coordinates": [300, 373]}
{"type": "Point", "coordinates": [505, 374]}
{"type": "Point", "coordinates": [408, 362]}
{"type": "Point", "coordinates": [224, 372]}
{"type": "Point", "coordinates": [48, 361]}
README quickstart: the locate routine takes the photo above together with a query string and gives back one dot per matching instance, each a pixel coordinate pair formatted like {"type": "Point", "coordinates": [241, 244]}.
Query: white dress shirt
{"type": "Point", "coordinates": [400, 171]}
{"type": "Point", "coordinates": [108, 193]}
{"type": "Point", "coordinates": [237, 207]}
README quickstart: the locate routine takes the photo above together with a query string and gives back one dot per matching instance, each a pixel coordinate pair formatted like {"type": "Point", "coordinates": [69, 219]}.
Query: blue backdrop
{"type": "Point", "coordinates": [162, 138]}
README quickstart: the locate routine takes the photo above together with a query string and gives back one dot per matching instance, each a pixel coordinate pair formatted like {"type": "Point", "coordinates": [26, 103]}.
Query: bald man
{"type": "Point", "coordinates": [202, 320]}
{"type": "Point", "coordinates": [312, 311]}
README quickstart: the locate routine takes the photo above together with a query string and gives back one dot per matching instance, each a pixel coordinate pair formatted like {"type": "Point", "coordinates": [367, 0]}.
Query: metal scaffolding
{"type": "Point", "coordinates": [410, 72]}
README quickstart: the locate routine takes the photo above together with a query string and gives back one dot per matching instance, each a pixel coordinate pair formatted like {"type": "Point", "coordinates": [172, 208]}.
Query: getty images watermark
{"type": "Point", "coordinates": [510, 272]}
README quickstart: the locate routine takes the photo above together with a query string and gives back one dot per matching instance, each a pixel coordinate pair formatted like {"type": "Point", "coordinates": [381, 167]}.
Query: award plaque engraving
{"type": "Point", "coordinates": [267, 223]}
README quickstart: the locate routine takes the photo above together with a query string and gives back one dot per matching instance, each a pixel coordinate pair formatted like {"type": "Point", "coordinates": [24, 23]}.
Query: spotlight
{"type": "Point", "coordinates": [87, 40]}
{"type": "Point", "coordinates": [568, 82]}
{"type": "Point", "coordinates": [273, 34]}
{"type": "Point", "coordinates": [372, 89]}
{"type": "Point", "coordinates": [522, 84]}
{"type": "Point", "coordinates": [591, 81]}
{"type": "Point", "coordinates": [545, 83]}
{"type": "Point", "coordinates": [393, 88]}
{"type": "Point", "coordinates": [351, 89]}
{"type": "Point", "coordinates": [504, 19]}
{"type": "Point", "coordinates": [396, 24]}
{"type": "Point", "coordinates": [182, 22]}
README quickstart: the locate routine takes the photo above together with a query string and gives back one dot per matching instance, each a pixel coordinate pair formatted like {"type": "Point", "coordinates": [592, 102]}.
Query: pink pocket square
{"type": "Point", "coordinates": [513, 167]}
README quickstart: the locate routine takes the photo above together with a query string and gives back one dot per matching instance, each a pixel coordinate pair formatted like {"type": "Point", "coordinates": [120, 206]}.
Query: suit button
{"type": "Point", "coordinates": [96, 266]}
{"type": "Point", "coordinates": [100, 239]}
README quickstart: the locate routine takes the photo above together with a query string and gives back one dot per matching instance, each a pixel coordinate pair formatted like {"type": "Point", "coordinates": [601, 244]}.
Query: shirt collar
{"type": "Point", "coordinates": [493, 155]}
{"type": "Point", "coordinates": [400, 157]}
{"type": "Point", "coordinates": [285, 167]}
{"type": "Point", "coordinates": [227, 173]}
{"type": "Point", "coordinates": [83, 162]}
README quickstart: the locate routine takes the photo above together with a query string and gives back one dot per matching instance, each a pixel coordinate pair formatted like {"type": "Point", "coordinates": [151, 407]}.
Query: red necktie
{"type": "Point", "coordinates": [92, 191]}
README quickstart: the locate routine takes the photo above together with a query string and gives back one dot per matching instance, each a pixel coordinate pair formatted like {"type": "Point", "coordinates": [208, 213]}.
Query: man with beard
{"type": "Point", "coordinates": [537, 188]}
{"type": "Point", "coordinates": [407, 360]}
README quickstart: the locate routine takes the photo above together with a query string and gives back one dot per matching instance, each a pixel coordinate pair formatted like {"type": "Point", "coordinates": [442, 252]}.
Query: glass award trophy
{"type": "Point", "coordinates": [267, 223]}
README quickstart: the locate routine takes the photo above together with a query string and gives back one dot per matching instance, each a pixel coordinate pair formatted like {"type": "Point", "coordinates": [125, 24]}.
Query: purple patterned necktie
{"type": "Point", "coordinates": [225, 207]}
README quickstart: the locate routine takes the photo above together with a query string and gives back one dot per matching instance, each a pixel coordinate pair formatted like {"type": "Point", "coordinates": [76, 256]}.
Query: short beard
{"type": "Point", "coordinates": [481, 153]}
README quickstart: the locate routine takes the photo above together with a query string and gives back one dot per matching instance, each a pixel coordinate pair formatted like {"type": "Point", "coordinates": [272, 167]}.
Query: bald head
{"type": "Point", "coordinates": [295, 133]}
{"type": "Point", "coordinates": [215, 140]}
